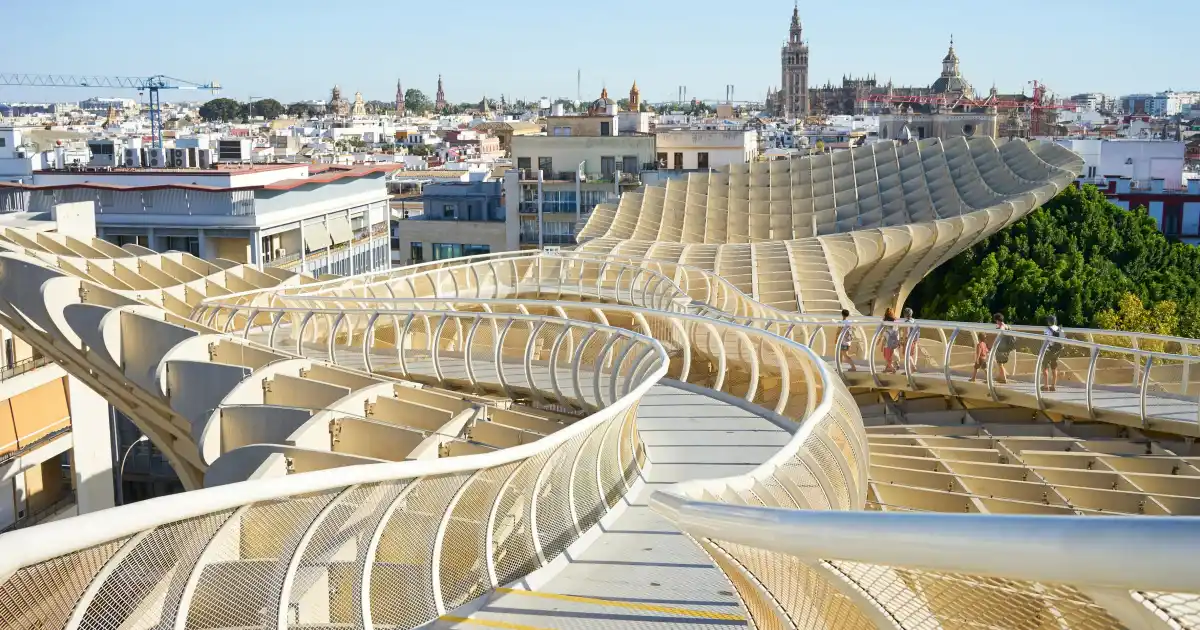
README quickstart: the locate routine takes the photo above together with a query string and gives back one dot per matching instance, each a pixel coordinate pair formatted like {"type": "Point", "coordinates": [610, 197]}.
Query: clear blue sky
{"type": "Point", "coordinates": [297, 49]}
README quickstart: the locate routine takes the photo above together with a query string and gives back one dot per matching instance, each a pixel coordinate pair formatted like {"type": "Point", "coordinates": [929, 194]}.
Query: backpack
{"type": "Point", "coordinates": [891, 338]}
{"type": "Point", "coordinates": [1007, 343]}
{"type": "Point", "coordinates": [1055, 348]}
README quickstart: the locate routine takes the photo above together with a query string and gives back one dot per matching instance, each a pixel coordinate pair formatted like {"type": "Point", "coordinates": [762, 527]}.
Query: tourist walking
{"type": "Point", "coordinates": [1052, 354]}
{"type": "Point", "coordinates": [1004, 347]}
{"type": "Point", "coordinates": [890, 340]}
{"type": "Point", "coordinates": [846, 335]}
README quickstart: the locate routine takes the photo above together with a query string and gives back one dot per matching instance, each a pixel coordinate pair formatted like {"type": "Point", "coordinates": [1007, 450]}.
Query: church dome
{"type": "Point", "coordinates": [601, 105]}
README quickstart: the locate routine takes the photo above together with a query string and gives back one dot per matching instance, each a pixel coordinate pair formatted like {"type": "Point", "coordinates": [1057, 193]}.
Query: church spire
{"type": "Point", "coordinates": [797, 30]}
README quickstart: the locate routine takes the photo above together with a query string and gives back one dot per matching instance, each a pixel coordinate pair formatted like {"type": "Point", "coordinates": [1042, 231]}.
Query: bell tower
{"type": "Point", "coordinates": [793, 96]}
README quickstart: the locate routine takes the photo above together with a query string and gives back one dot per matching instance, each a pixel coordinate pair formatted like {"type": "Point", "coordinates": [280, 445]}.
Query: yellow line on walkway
{"type": "Point", "coordinates": [490, 624]}
{"type": "Point", "coordinates": [683, 612]}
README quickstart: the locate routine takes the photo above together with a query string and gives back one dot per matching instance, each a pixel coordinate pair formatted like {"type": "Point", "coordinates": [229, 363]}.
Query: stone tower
{"type": "Point", "coordinates": [635, 98]}
{"type": "Point", "coordinates": [440, 103]}
{"type": "Point", "coordinates": [399, 98]}
{"type": "Point", "coordinates": [793, 97]}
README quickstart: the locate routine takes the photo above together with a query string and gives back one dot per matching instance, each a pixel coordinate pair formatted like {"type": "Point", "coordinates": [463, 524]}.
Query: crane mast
{"type": "Point", "coordinates": [151, 85]}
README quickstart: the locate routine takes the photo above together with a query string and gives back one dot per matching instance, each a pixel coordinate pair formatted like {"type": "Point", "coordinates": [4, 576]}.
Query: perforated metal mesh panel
{"type": "Point", "coordinates": [144, 588]}
{"type": "Point", "coordinates": [512, 535]}
{"type": "Point", "coordinates": [923, 600]}
{"type": "Point", "coordinates": [241, 573]}
{"type": "Point", "coordinates": [43, 595]}
{"type": "Point", "coordinates": [401, 588]}
{"type": "Point", "coordinates": [327, 580]}
{"type": "Point", "coordinates": [589, 506]}
{"type": "Point", "coordinates": [464, 551]}
{"type": "Point", "coordinates": [1181, 608]}
{"type": "Point", "coordinates": [612, 485]}
{"type": "Point", "coordinates": [555, 526]}
{"type": "Point", "coordinates": [805, 596]}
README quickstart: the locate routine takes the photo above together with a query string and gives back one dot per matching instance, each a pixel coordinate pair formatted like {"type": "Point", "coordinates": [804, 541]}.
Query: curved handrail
{"type": "Point", "coordinates": [907, 570]}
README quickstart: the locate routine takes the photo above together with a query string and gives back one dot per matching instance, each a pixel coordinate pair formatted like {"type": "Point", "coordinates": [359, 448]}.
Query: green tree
{"type": "Point", "coordinates": [268, 108]}
{"type": "Point", "coordinates": [416, 102]}
{"type": "Point", "coordinates": [420, 150]}
{"type": "Point", "coordinates": [1078, 257]}
{"type": "Point", "coordinates": [300, 110]}
{"type": "Point", "coordinates": [222, 110]}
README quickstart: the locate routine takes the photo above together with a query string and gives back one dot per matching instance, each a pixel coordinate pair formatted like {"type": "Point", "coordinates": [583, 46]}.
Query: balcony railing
{"type": "Point", "coordinates": [33, 518]}
{"type": "Point", "coordinates": [360, 236]}
{"type": "Point", "coordinates": [23, 366]}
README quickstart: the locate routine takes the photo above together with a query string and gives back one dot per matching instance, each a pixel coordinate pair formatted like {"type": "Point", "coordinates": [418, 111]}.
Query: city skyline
{"type": "Point", "coordinates": [697, 51]}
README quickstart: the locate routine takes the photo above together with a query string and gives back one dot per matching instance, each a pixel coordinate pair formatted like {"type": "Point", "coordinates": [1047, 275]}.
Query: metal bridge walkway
{"type": "Point", "coordinates": [641, 571]}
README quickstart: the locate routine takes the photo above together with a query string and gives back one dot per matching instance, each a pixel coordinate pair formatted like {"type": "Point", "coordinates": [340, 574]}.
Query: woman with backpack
{"type": "Point", "coordinates": [891, 340]}
{"type": "Point", "coordinates": [1053, 352]}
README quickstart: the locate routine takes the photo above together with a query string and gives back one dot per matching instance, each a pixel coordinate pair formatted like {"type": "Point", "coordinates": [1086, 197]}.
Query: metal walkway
{"type": "Point", "coordinates": [641, 571]}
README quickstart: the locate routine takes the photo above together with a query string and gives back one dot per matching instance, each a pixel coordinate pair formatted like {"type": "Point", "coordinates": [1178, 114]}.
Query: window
{"type": "Point", "coordinates": [189, 244]}
{"type": "Point", "coordinates": [629, 164]}
{"type": "Point", "coordinates": [1172, 220]}
{"type": "Point", "coordinates": [416, 251]}
{"type": "Point", "coordinates": [562, 131]}
{"type": "Point", "coordinates": [968, 130]}
{"type": "Point", "coordinates": [608, 165]}
{"type": "Point", "coordinates": [442, 251]}
{"type": "Point", "coordinates": [679, 161]}
{"type": "Point", "coordinates": [3, 141]}
{"type": "Point", "coordinates": [448, 211]}
{"type": "Point", "coordinates": [662, 160]}
{"type": "Point", "coordinates": [476, 250]}
{"type": "Point", "coordinates": [702, 160]}
{"type": "Point", "coordinates": [606, 129]}
{"type": "Point", "coordinates": [524, 163]}
{"type": "Point", "coordinates": [546, 165]}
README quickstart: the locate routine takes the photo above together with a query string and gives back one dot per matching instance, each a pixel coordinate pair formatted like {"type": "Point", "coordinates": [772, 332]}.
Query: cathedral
{"type": "Point", "coordinates": [796, 100]}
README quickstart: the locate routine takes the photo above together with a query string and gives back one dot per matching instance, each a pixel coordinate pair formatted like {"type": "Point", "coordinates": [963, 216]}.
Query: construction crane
{"type": "Point", "coordinates": [150, 85]}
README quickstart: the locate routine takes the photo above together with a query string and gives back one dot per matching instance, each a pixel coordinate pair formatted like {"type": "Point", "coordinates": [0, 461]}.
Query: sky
{"type": "Point", "coordinates": [298, 49]}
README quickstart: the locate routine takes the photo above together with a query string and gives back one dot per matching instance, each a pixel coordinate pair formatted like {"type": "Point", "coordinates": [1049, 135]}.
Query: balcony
{"type": "Point", "coordinates": [22, 367]}
{"type": "Point", "coordinates": [362, 235]}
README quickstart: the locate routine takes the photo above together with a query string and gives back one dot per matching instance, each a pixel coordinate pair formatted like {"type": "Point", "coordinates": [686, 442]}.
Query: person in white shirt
{"type": "Point", "coordinates": [846, 335]}
{"type": "Point", "coordinates": [1053, 352]}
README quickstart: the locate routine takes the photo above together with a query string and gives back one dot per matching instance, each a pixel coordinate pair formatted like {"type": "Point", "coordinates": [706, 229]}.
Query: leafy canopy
{"type": "Point", "coordinates": [1091, 263]}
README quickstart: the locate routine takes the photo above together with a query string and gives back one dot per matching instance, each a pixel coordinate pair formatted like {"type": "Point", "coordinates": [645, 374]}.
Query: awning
{"type": "Point", "coordinates": [339, 230]}
{"type": "Point", "coordinates": [316, 237]}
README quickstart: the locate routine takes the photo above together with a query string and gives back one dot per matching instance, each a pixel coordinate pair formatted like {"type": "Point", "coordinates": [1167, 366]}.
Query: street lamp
{"type": "Point", "coordinates": [121, 469]}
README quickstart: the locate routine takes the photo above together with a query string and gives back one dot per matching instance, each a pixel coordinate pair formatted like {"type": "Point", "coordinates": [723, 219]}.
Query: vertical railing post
{"type": "Point", "coordinates": [1145, 385]}
{"type": "Point", "coordinates": [946, 363]}
{"type": "Point", "coordinates": [1091, 379]}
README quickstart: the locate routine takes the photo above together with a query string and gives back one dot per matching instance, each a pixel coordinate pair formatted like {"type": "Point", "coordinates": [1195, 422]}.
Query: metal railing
{"type": "Point", "coordinates": [808, 569]}
{"type": "Point", "coordinates": [23, 366]}
{"type": "Point", "coordinates": [425, 536]}
{"type": "Point", "coordinates": [1096, 374]}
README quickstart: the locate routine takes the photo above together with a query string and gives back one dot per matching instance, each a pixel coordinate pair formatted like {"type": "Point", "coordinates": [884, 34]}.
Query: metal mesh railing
{"type": "Point", "coordinates": [923, 572]}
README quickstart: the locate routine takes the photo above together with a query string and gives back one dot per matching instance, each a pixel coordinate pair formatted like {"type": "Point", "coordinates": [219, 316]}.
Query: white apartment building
{"type": "Point", "coordinates": [314, 219]}
{"type": "Point", "coordinates": [560, 177]}
{"type": "Point", "coordinates": [1137, 160]}
{"type": "Point", "coordinates": [56, 455]}
{"type": "Point", "coordinates": [704, 149]}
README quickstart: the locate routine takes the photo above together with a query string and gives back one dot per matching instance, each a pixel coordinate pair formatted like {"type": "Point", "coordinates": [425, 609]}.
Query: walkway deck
{"type": "Point", "coordinates": [641, 571]}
